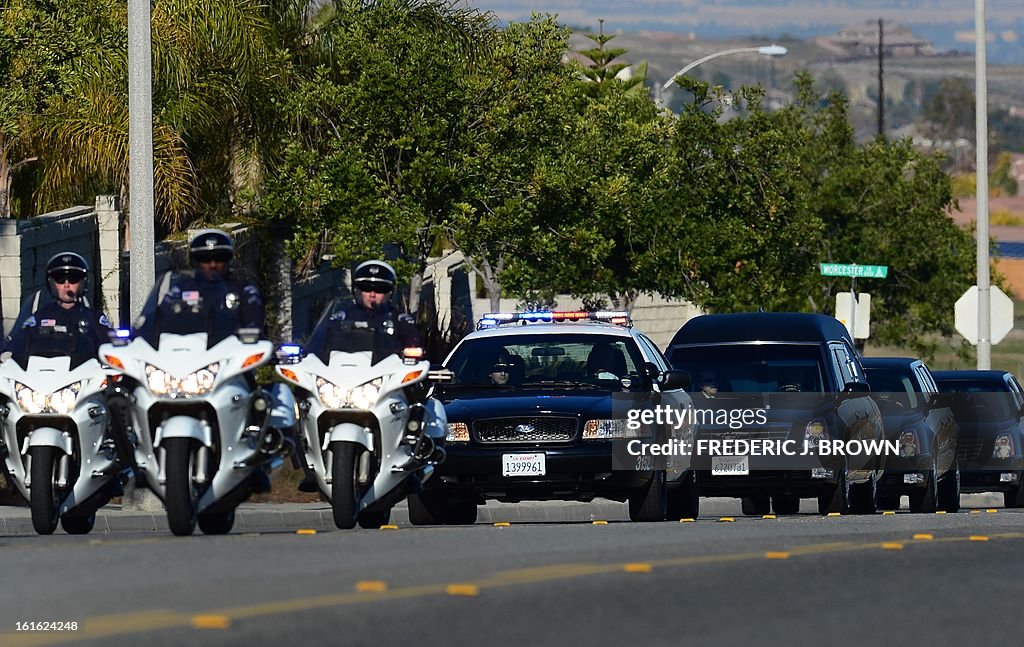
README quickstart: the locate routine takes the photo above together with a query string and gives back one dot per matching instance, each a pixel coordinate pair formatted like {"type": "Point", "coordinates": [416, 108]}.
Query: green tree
{"type": "Point", "coordinates": [603, 69]}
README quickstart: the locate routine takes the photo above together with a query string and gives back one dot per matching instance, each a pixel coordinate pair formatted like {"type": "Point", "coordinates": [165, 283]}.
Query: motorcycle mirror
{"type": "Point", "coordinates": [248, 335]}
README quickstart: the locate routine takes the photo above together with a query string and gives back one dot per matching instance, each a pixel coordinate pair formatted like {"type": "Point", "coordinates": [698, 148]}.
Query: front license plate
{"type": "Point", "coordinates": [523, 464]}
{"type": "Point", "coordinates": [730, 466]}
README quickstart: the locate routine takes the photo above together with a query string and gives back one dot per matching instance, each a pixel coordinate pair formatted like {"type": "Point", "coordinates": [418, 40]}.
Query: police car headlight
{"type": "Point", "coordinates": [363, 396]}
{"type": "Point", "coordinates": [200, 382]}
{"type": "Point", "coordinates": [605, 429]}
{"type": "Point", "coordinates": [458, 432]}
{"type": "Point", "coordinates": [60, 402]}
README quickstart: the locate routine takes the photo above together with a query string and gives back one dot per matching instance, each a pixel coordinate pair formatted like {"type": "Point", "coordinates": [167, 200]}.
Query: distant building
{"type": "Point", "coordinates": [862, 40]}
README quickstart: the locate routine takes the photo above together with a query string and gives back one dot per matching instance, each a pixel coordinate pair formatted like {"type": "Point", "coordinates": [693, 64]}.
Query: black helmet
{"type": "Point", "coordinates": [374, 276]}
{"type": "Point", "coordinates": [211, 244]}
{"type": "Point", "coordinates": [67, 265]}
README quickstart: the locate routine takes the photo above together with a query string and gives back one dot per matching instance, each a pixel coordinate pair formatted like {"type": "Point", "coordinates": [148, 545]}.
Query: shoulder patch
{"type": "Point", "coordinates": [406, 318]}
{"type": "Point", "coordinates": [30, 322]}
{"type": "Point", "coordinates": [104, 321]}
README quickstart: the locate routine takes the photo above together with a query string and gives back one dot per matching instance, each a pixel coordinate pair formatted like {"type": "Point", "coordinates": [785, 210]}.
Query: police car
{"type": "Point", "coordinates": [538, 406]}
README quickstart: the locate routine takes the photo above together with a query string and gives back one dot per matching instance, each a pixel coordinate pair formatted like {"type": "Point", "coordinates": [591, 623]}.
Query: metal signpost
{"type": "Point", "coordinates": [140, 153]}
{"type": "Point", "coordinates": [854, 271]}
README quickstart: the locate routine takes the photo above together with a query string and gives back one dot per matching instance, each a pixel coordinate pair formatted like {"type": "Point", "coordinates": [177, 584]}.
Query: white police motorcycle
{"type": "Point", "coordinates": [369, 437]}
{"type": "Point", "coordinates": [55, 442]}
{"type": "Point", "coordinates": [206, 436]}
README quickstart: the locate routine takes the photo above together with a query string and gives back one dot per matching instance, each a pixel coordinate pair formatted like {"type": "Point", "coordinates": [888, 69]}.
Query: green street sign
{"type": "Point", "coordinates": [855, 271]}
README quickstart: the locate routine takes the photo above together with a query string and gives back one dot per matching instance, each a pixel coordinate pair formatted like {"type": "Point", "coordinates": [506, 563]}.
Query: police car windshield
{"type": "Point", "coordinates": [182, 304]}
{"type": "Point", "coordinates": [35, 335]}
{"type": "Point", "coordinates": [752, 368]}
{"type": "Point", "coordinates": [545, 360]}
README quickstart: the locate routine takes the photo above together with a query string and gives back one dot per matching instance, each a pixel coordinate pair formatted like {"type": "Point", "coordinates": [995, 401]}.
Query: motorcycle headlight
{"type": "Point", "coordinates": [1003, 447]}
{"type": "Point", "coordinates": [363, 396]}
{"type": "Point", "coordinates": [200, 382]}
{"type": "Point", "coordinates": [60, 402]}
{"type": "Point", "coordinates": [815, 432]}
{"type": "Point", "coordinates": [606, 429]}
{"type": "Point", "coordinates": [909, 444]}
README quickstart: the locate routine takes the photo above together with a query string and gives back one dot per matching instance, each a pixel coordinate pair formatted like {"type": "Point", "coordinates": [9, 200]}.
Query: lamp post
{"type": "Point", "coordinates": [140, 153]}
{"type": "Point", "coordinates": [764, 50]}
{"type": "Point", "coordinates": [981, 162]}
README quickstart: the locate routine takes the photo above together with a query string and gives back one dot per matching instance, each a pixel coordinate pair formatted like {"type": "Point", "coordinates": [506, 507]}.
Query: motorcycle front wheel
{"type": "Point", "coordinates": [345, 494]}
{"type": "Point", "coordinates": [179, 498]}
{"type": "Point", "coordinates": [43, 494]}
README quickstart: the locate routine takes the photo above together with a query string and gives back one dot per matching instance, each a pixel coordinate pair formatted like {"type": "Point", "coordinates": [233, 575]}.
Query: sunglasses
{"type": "Point", "coordinates": [68, 277]}
{"type": "Point", "coordinates": [372, 287]}
{"type": "Point", "coordinates": [216, 257]}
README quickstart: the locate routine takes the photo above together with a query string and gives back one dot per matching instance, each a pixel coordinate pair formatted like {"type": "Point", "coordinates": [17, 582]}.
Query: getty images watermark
{"type": "Point", "coordinates": [685, 420]}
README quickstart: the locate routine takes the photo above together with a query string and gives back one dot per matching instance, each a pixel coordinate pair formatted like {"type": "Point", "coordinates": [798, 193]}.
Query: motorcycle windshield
{"type": "Point", "coordinates": [183, 304]}
{"type": "Point", "coordinates": [333, 335]}
{"type": "Point", "coordinates": [38, 335]}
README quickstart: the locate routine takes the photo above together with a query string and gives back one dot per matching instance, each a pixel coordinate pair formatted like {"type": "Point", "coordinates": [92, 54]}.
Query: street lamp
{"type": "Point", "coordinates": [764, 50]}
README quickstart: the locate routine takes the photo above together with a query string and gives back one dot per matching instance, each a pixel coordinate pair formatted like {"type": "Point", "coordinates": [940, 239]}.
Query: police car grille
{"type": "Point", "coordinates": [537, 429]}
{"type": "Point", "coordinates": [968, 449]}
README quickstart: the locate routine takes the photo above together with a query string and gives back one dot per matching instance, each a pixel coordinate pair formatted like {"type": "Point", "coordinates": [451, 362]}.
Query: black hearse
{"type": "Point", "coordinates": [802, 377]}
{"type": "Point", "coordinates": [989, 409]}
{"type": "Point", "coordinates": [920, 419]}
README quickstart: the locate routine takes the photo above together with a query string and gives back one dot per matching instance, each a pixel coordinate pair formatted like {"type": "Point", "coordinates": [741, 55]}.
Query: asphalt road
{"type": "Point", "coordinates": [954, 579]}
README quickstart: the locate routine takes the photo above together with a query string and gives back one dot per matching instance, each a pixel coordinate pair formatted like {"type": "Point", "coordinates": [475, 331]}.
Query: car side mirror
{"type": "Point", "coordinates": [857, 387]}
{"type": "Point", "coordinates": [440, 375]}
{"type": "Point", "coordinates": [674, 379]}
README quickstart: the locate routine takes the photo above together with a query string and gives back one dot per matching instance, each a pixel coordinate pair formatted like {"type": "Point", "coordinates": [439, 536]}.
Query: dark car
{"type": "Point", "coordinates": [530, 417]}
{"type": "Point", "coordinates": [920, 419]}
{"type": "Point", "coordinates": [989, 409]}
{"type": "Point", "coordinates": [802, 376]}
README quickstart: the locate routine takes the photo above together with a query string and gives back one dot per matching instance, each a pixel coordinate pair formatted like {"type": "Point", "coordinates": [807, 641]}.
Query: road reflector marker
{"type": "Point", "coordinates": [924, 535]}
{"type": "Point", "coordinates": [975, 511]}
{"type": "Point", "coordinates": [776, 555]}
{"type": "Point", "coordinates": [979, 538]}
{"type": "Point", "coordinates": [371, 586]}
{"type": "Point", "coordinates": [835, 514]}
{"type": "Point", "coordinates": [305, 531]}
{"type": "Point", "coordinates": [599, 523]}
{"type": "Point", "coordinates": [389, 526]}
{"type": "Point", "coordinates": [501, 524]}
{"type": "Point", "coordinates": [767, 516]}
{"type": "Point", "coordinates": [687, 520]}
{"type": "Point", "coordinates": [992, 510]}
{"type": "Point", "coordinates": [211, 622]}
{"type": "Point", "coordinates": [892, 545]}
{"type": "Point", "coordinates": [462, 589]}
{"type": "Point", "coordinates": [637, 568]}
{"type": "Point", "coordinates": [940, 512]}
{"type": "Point", "coordinates": [727, 519]}
{"type": "Point", "coordinates": [888, 512]}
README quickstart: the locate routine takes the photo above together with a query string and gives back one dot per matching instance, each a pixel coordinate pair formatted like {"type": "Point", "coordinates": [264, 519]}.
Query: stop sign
{"type": "Point", "coordinates": [966, 309]}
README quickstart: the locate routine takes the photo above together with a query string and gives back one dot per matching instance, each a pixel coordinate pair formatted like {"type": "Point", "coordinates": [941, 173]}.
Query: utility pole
{"type": "Point", "coordinates": [881, 80]}
{"type": "Point", "coordinates": [981, 150]}
{"type": "Point", "coordinates": [140, 153]}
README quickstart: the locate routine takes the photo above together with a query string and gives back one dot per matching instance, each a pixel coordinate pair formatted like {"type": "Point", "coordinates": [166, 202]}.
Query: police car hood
{"type": "Point", "coordinates": [463, 404]}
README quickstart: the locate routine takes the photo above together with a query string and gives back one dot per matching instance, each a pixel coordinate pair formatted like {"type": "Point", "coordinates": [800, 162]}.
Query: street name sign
{"type": "Point", "coordinates": [855, 271]}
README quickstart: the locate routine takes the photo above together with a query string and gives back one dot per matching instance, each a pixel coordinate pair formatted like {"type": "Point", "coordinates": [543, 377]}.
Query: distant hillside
{"type": "Point", "coordinates": [949, 24]}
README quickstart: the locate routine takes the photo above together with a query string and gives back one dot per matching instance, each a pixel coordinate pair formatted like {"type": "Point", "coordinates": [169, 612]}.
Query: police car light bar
{"type": "Point", "coordinates": [495, 319]}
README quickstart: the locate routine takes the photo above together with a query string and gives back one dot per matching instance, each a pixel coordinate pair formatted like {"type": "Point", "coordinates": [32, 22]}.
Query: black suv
{"type": "Point", "coordinates": [800, 375]}
{"type": "Point", "coordinates": [989, 409]}
{"type": "Point", "coordinates": [533, 414]}
{"type": "Point", "coordinates": [920, 419]}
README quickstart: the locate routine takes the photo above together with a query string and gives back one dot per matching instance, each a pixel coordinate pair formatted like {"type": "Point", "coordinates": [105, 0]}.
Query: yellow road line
{"type": "Point", "coordinates": [147, 621]}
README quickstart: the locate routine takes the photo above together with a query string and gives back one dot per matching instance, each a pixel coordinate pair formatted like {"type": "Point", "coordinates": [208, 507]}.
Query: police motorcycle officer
{"type": "Point", "coordinates": [190, 368]}
{"type": "Point", "coordinates": [53, 407]}
{"type": "Point", "coordinates": [373, 282]}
